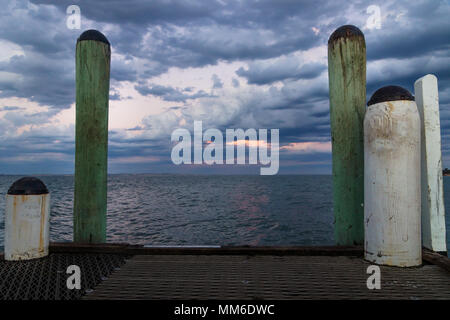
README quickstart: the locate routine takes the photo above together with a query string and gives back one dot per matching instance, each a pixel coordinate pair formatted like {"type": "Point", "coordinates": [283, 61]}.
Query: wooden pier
{"type": "Point", "coordinates": [122, 271]}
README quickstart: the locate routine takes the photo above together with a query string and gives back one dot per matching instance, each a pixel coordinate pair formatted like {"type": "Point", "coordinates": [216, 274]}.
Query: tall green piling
{"type": "Point", "coordinates": [347, 85]}
{"type": "Point", "coordinates": [93, 56]}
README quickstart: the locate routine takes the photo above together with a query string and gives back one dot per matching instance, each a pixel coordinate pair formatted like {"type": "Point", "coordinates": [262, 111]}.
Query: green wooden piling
{"type": "Point", "coordinates": [347, 85]}
{"type": "Point", "coordinates": [93, 55]}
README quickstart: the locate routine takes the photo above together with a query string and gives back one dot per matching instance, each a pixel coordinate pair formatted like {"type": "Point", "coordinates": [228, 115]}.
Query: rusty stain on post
{"type": "Point", "coordinates": [26, 220]}
{"type": "Point", "coordinates": [41, 234]}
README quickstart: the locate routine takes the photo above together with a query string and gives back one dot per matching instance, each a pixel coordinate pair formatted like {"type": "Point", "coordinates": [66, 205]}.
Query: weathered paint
{"type": "Point", "coordinates": [347, 85]}
{"type": "Point", "coordinates": [91, 143]}
{"type": "Point", "coordinates": [392, 184]}
{"type": "Point", "coordinates": [26, 226]}
{"type": "Point", "coordinates": [433, 211]}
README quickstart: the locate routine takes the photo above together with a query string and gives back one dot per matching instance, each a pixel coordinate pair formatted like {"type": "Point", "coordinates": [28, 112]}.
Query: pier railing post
{"type": "Point", "coordinates": [347, 86]}
{"type": "Point", "coordinates": [392, 179]}
{"type": "Point", "coordinates": [433, 211]}
{"type": "Point", "coordinates": [93, 57]}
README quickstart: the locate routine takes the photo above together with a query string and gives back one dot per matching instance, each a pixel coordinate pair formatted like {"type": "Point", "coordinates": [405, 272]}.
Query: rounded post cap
{"type": "Point", "coordinates": [93, 35]}
{"type": "Point", "coordinates": [28, 186]}
{"type": "Point", "coordinates": [346, 31]}
{"type": "Point", "coordinates": [390, 93]}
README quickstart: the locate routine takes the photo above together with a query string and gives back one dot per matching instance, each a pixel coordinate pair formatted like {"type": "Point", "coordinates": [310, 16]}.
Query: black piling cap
{"type": "Point", "coordinates": [390, 93]}
{"type": "Point", "coordinates": [347, 31]}
{"type": "Point", "coordinates": [28, 186]}
{"type": "Point", "coordinates": [93, 35]}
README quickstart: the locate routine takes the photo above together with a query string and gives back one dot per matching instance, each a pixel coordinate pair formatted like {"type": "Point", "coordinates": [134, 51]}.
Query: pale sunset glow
{"type": "Point", "coordinates": [250, 143]}
{"type": "Point", "coordinates": [308, 147]}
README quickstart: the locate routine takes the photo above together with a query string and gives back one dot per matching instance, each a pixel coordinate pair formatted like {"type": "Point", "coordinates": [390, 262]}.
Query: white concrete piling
{"type": "Point", "coordinates": [433, 211]}
{"type": "Point", "coordinates": [27, 220]}
{"type": "Point", "coordinates": [392, 179]}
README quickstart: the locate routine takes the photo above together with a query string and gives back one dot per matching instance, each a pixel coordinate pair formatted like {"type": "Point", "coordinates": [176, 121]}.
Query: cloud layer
{"type": "Point", "coordinates": [231, 64]}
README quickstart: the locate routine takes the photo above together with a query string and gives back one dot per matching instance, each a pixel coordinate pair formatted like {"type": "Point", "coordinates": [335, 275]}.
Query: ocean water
{"type": "Point", "coordinates": [205, 210]}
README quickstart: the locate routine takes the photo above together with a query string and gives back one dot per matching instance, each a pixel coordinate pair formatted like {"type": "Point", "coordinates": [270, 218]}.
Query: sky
{"type": "Point", "coordinates": [258, 64]}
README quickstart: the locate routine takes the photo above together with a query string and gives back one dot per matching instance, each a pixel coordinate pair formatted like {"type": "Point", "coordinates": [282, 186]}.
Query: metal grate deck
{"type": "Point", "coordinates": [123, 271]}
{"type": "Point", "coordinates": [45, 278]}
{"type": "Point", "coordinates": [266, 277]}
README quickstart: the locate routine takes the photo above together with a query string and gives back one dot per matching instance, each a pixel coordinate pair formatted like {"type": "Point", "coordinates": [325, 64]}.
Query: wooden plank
{"type": "Point", "coordinates": [433, 211]}
{"type": "Point", "coordinates": [128, 249]}
{"type": "Point", "coordinates": [120, 248]}
{"type": "Point", "coordinates": [72, 247]}
{"type": "Point", "coordinates": [436, 259]}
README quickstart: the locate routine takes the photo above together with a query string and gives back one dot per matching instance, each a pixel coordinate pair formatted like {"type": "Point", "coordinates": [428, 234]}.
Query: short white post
{"type": "Point", "coordinates": [433, 212]}
{"type": "Point", "coordinates": [27, 218]}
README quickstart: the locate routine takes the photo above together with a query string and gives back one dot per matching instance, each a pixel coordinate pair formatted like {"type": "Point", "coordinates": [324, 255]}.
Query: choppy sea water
{"type": "Point", "coordinates": [205, 210]}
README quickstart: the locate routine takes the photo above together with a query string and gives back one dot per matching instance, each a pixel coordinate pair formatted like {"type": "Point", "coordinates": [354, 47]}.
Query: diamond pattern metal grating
{"type": "Point", "coordinates": [266, 277]}
{"type": "Point", "coordinates": [45, 278]}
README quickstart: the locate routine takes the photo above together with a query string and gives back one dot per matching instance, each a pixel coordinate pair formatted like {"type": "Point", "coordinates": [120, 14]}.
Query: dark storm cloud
{"type": "Point", "coordinates": [253, 14]}
{"type": "Point", "coordinates": [137, 128]}
{"type": "Point", "coordinates": [217, 83]}
{"type": "Point", "coordinates": [19, 119]}
{"type": "Point", "coordinates": [123, 71]}
{"type": "Point", "coordinates": [11, 108]}
{"type": "Point", "coordinates": [212, 30]}
{"type": "Point", "coordinates": [39, 30]}
{"type": "Point", "coordinates": [114, 96]}
{"type": "Point", "coordinates": [140, 12]}
{"type": "Point", "coordinates": [427, 31]}
{"type": "Point", "coordinates": [168, 93]}
{"type": "Point", "coordinates": [405, 72]}
{"type": "Point", "coordinates": [409, 43]}
{"type": "Point", "coordinates": [259, 73]}
{"type": "Point", "coordinates": [39, 78]}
